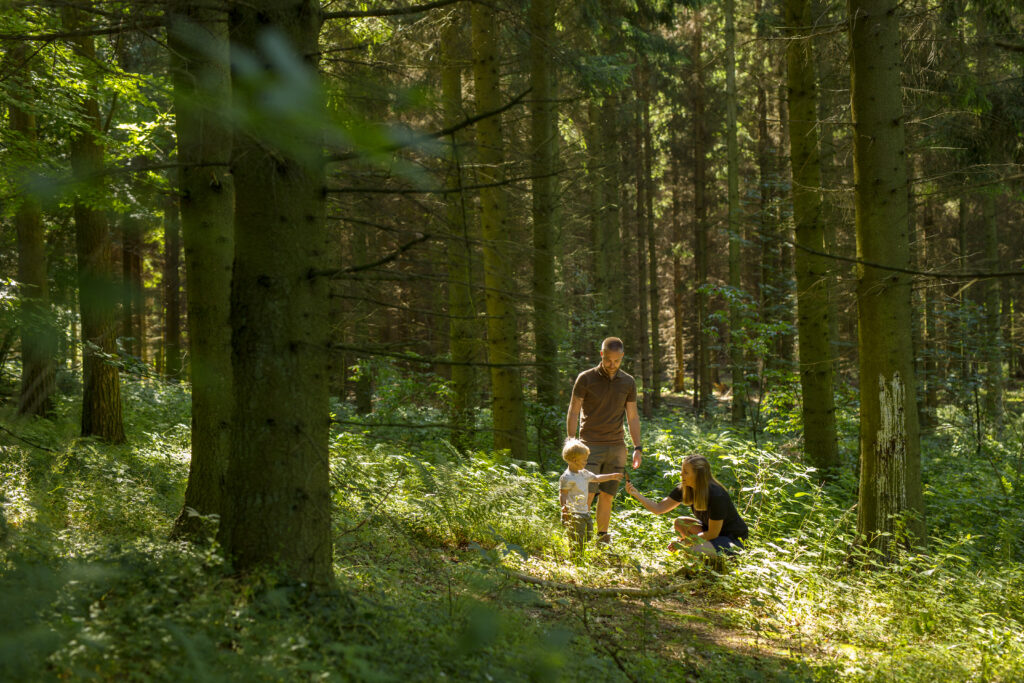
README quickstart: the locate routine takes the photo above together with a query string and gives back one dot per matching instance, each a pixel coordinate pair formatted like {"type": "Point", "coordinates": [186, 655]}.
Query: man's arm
{"type": "Point", "coordinates": [633, 420]}
{"type": "Point", "coordinates": [572, 419]}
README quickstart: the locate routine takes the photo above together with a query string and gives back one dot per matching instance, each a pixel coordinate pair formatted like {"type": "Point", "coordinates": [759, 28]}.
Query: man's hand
{"type": "Point", "coordinates": [636, 459]}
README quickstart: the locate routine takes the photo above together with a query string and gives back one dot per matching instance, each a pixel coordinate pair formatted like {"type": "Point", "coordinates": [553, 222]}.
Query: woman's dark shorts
{"type": "Point", "coordinates": [727, 546]}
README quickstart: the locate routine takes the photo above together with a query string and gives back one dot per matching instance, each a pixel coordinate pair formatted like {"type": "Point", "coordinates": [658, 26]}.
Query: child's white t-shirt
{"type": "Point", "coordinates": [576, 485]}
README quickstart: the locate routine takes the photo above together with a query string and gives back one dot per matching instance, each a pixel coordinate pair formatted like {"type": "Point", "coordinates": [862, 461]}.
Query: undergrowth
{"type": "Point", "coordinates": [425, 537]}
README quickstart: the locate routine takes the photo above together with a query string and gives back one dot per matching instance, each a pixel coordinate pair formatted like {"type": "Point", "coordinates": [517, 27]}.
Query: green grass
{"type": "Point", "coordinates": [92, 588]}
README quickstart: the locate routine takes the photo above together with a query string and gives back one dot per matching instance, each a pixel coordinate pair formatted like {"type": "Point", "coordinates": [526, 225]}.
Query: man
{"type": "Point", "coordinates": [603, 395]}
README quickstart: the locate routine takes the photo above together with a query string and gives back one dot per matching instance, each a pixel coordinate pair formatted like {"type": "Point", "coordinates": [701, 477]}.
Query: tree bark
{"type": "Point", "coordinates": [544, 159]}
{"type": "Point", "coordinates": [276, 508]}
{"type": "Point", "coordinates": [502, 335]}
{"type": "Point", "coordinates": [652, 249]}
{"type": "Point", "coordinates": [736, 360]}
{"type": "Point", "coordinates": [890, 479]}
{"type": "Point", "coordinates": [172, 290]}
{"type": "Point", "coordinates": [38, 333]}
{"type": "Point", "coordinates": [702, 343]}
{"type": "Point", "coordinates": [200, 70]}
{"type": "Point", "coordinates": [815, 361]}
{"type": "Point", "coordinates": [97, 282]}
{"type": "Point", "coordinates": [647, 401]}
{"type": "Point", "coordinates": [461, 306]}
{"type": "Point", "coordinates": [678, 285]}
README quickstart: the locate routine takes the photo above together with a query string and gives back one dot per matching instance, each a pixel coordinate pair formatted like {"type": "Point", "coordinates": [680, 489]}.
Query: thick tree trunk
{"type": "Point", "coordinates": [461, 308]}
{"type": "Point", "coordinates": [544, 158]}
{"type": "Point", "coordinates": [736, 361]}
{"type": "Point", "coordinates": [38, 333]}
{"type": "Point", "coordinates": [198, 42]}
{"type": "Point", "coordinates": [172, 290]}
{"type": "Point", "coordinates": [97, 282]}
{"type": "Point", "coordinates": [502, 335]}
{"type": "Point", "coordinates": [277, 501]}
{"type": "Point", "coordinates": [890, 479]}
{"type": "Point", "coordinates": [818, 404]}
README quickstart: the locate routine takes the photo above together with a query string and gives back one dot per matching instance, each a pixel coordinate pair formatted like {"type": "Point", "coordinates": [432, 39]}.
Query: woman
{"type": "Point", "coordinates": [716, 526]}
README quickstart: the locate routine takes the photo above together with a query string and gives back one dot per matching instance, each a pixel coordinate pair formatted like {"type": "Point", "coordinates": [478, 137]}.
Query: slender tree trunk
{"type": "Point", "coordinates": [172, 289]}
{"type": "Point", "coordinates": [652, 251]}
{"type": "Point", "coordinates": [702, 344]}
{"type": "Point", "coordinates": [992, 318]}
{"type": "Point", "coordinates": [736, 361]}
{"type": "Point", "coordinates": [132, 310]}
{"type": "Point", "coordinates": [890, 479]}
{"type": "Point", "coordinates": [678, 287]}
{"type": "Point", "coordinates": [502, 335]}
{"type": "Point", "coordinates": [609, 286]}
{"type": "Point", "coordinates": [461, 307]}
{"type": "Point", "coordinates": [820, 446]}
{"type": "Point", "coordinates": [930, 350]}
{"type": "Point", "coordinates": [277, 501]}
{"type": "Point", "coordinates": [38, 333]}
{"type": "Point", "coordinates": [198, 42]}
{"type": "Point", "coordinates": [641, 263]}
{"type": "Point", "coordinates": [544, 158]}
{"type": "Point", "coordinates": [97, 282]}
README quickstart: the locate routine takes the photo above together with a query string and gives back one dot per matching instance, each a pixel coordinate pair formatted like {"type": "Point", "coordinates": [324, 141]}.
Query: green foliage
{"type": "Point", "coordinates": [424, 537]}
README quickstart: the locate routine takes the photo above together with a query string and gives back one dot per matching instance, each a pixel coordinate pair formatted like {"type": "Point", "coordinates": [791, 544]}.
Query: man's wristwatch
{"type": "Point", "coordinates": [638, 448]}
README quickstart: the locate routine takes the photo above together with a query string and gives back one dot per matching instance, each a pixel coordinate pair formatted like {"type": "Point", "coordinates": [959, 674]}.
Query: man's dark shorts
{"type": "Point", "coordinates": [605, 459]}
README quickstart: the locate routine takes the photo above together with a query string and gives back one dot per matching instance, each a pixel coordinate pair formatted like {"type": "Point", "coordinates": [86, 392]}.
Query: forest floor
{"type": "Point", "coordinates": [451, 565]}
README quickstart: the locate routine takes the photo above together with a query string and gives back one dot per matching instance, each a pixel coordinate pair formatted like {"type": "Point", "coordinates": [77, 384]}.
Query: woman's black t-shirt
{"type": "Point", "coordinates": [720, 506]}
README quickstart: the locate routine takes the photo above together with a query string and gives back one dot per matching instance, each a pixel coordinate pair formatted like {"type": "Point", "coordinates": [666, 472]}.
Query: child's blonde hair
{"type": "Point", "coordinates": [574, 449]}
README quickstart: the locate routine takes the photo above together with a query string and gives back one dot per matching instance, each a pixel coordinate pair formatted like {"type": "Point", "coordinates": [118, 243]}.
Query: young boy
{"type": "Point", "coordinates": [572, 490]}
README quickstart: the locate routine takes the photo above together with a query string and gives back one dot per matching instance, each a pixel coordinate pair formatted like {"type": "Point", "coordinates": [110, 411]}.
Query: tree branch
{"type": "Point", "coordinates": [368, 266]}
{"type": "Point", "coordinates": [444, 132]}
{"type": "Point", "coordinates": [397, 11]}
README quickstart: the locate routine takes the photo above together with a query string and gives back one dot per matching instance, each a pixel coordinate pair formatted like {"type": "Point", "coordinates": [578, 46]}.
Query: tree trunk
{"type": "Point", "coordinates": [652, 251]}
{"type": "Point", "coordinates": [461, 307]}
{"type": "Point", "coordinates": [502, 335]}
{"type": "Point", "coordinates": [198, 42]}
{"type": "Point", "coordinates": [132, 310]}
{"type": "Point", "coordinates": [820, 446]}
{"type": "Point", "coordinates": [277, 499]}
{"type": "Point", "coordinates": [38, 333]}
{"type": "Point", "coordinates": [992, 318]}
{"type": "Point", "coordinates": [544, 159]}
{"type": "Point", "coordinates": [736, 361]}
{"type": "Point", "coordinates": [890, 479]}
{"type": "Point", "coordinates": [172, 290]}
{"type": "Point", "coordinates": [647, 405]}
{"type": "Point", "coordinates": [97, 282]}
{"type": "Point", "coordinates": [610, 290]}
{"type": "Point", "coordinates": [702, 342]}
{"type": "Point", "coordinates": [678, 286]}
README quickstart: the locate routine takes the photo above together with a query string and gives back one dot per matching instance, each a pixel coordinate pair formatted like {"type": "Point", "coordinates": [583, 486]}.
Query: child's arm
{"type": "Point", "coordinates": [611, 476]}
{"type": "Point", "coordinates": [563, 503]}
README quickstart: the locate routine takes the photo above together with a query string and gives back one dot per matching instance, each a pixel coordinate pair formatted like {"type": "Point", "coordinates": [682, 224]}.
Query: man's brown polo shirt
{"type": "Point", "coordinates": [604, 405]}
